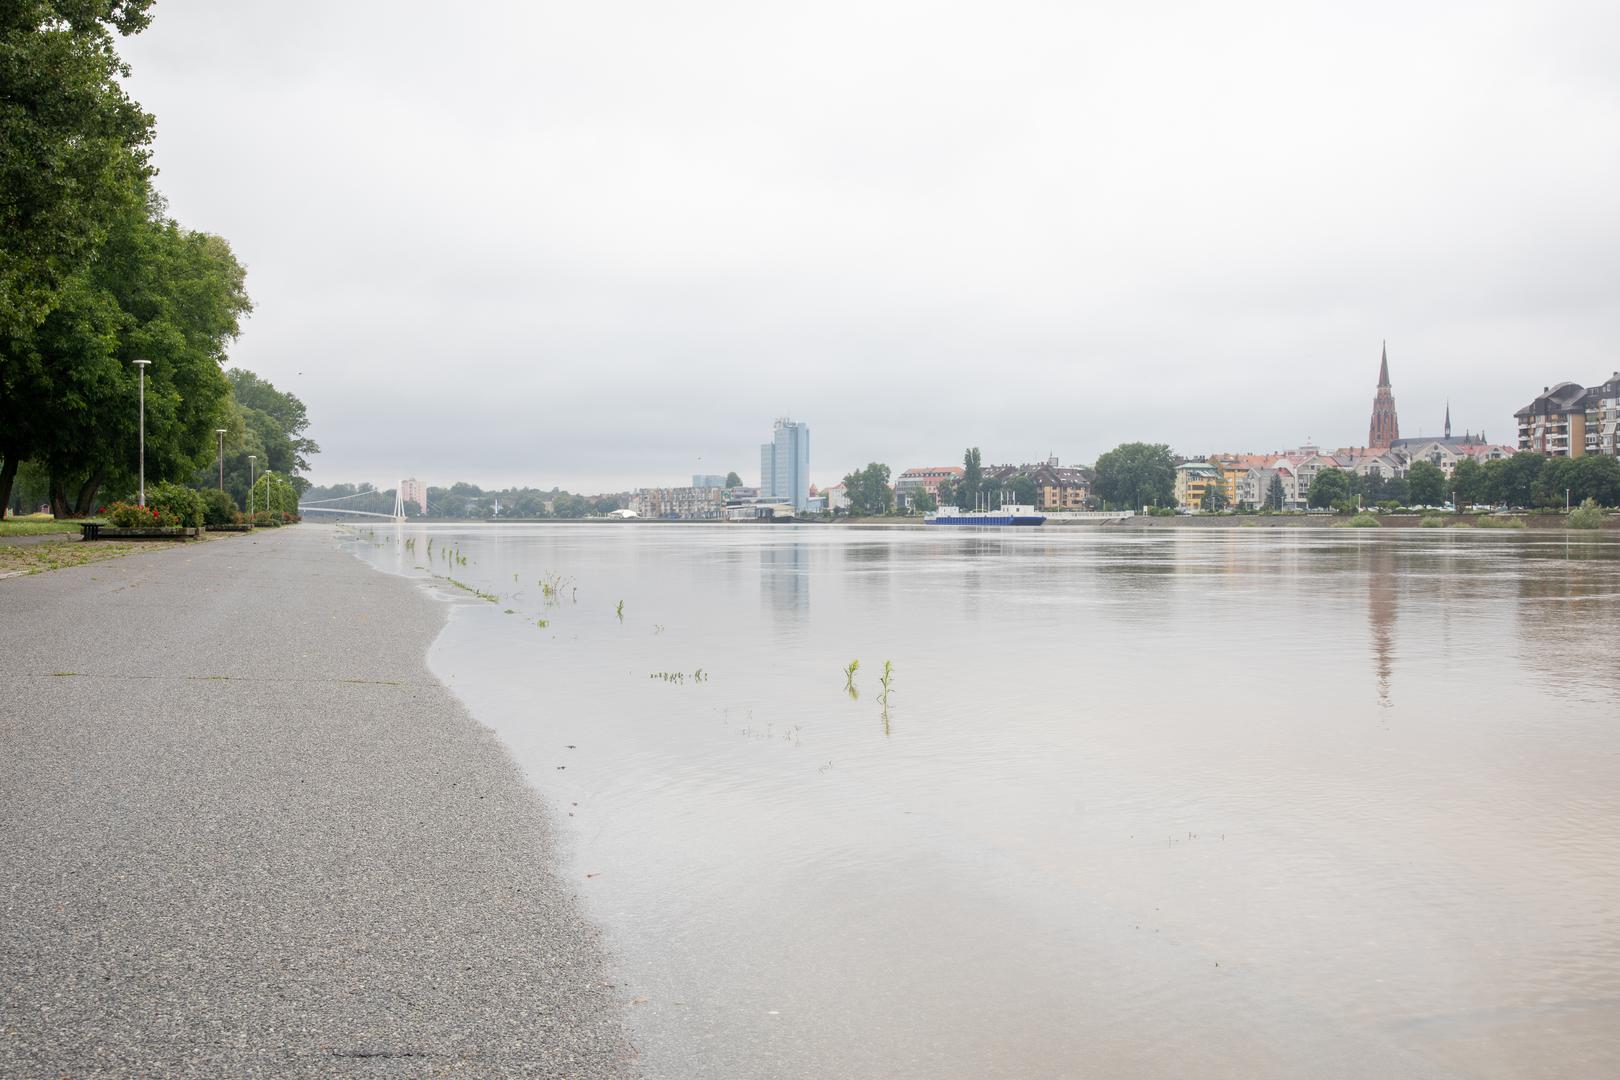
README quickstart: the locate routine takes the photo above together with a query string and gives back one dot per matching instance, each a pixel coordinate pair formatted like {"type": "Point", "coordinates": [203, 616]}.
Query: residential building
{"type": "Point", "coordinates": [925, 478]}
{"type": "Point", "coordinates": [836, 498]}
{"type": "Point", "coordinates": [1603, 418]}
{"type": "Point", "coordinates": [784, 465]}
{"type": "Point", "coordinates": [1194, 479]}
{"type": "Point", "coordinates": [414, 491]}
{"type": "Point", "coordinates": [1254, 489]}
{"type": "Point", "coordinates": [1555, 423]}
{"type": "Point", "coordinates": [1057, 487]}
{"type": "Point", "coordinates": [681, 503]}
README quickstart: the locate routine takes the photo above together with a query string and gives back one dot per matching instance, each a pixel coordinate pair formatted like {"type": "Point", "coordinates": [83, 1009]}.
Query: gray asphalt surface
{"type": "Point", "coordinates": [245, 833]}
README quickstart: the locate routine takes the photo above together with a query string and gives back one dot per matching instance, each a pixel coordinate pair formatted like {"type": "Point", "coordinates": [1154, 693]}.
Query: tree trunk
{"type": "Point", "coordinates": [59, 503]}
{"type": "Point", "coordinates": [87, 493]}
{"type": "Point", "coordinates": [8, 473]}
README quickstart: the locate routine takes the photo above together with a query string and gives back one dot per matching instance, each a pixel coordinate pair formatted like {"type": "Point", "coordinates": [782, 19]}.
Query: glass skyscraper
{"type": "Point", "coordinates": [784, 465]}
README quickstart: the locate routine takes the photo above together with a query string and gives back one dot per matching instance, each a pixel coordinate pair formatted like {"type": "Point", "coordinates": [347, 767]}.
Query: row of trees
{"type": "Point", "coordinates": [464, 501]}
{"type": "Point", "coordinates": [1523, 480]}
{"type": "Point", "coordinates": [95, 275]}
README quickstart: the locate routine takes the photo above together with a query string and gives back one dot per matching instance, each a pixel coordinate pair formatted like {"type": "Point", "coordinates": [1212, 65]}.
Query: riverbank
{"type": "Point", "coordinates": [245, 832]}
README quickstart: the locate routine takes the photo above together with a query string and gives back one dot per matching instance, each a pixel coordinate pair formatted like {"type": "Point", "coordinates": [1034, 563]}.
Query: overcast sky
{"type": "Point", "coordinates": [604, 244]}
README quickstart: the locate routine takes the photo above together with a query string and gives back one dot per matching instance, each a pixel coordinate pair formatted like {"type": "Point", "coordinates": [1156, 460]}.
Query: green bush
{"type": "Point", "coordinates": [1589, 515]}
{"type": "Point", "coordinates": [1161, 511]}
{"type": "Point", "coordinates": [1485, 521]}
{"type": "Point", "coordinates": [219, 508]}
{"type": "Point", "coordinates": [131, 515]}
{"type": "Point", "coordinates": [1433, 521]}
{"type": "Point", "coordinates": [1362, 521]}
{"type": "Point", "coordinates": [265, 519]}
{"type": "Point", "coordinates": [184, 504]}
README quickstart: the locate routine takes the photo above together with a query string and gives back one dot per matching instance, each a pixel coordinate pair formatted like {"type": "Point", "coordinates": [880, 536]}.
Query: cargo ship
{"type": "Point", "coordinates": [1007, 515]}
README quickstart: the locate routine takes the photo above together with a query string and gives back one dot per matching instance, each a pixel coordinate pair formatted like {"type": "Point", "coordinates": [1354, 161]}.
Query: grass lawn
{"type": "Point", "coordinates": [52, 555]}
{"type": "Point", "coordinates": [36, 525]}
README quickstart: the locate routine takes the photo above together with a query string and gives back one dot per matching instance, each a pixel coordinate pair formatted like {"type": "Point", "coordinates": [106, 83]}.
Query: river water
{"type": "Point", "coordinates": [1138, 803]}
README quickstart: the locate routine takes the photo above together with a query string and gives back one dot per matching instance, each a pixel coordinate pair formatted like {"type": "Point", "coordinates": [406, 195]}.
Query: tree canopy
{"type": "Point", "coordinates": [868, 491]}
{"type": "Point", "coordinates": [73, 146]}
{"type": "Point", "coordinates": [1329, 486]}
{"type": "Point", "coordinates": [96, 276]}
{"type": "Point", "coordinates": [1426, 483]}
{"type": "Point", "coordinates": [1134, 475]}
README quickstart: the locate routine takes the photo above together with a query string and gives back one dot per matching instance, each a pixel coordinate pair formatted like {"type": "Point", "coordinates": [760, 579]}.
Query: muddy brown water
{"type": "Point", "coordinates": [1216, 803]}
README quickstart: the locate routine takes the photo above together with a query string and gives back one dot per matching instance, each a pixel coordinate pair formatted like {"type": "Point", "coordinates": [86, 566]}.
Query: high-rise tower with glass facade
{"type": "Point", "coordinates": [784, 465]}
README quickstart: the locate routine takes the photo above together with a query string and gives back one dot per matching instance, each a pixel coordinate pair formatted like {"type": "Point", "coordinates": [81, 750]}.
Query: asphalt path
{"type": "Point", "coordinates": [245, 833]}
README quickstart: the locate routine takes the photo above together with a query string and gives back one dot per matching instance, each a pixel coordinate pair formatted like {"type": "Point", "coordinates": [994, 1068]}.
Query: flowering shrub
{"type": "Point", "coordinates": [127, 515]}
{"type": "Point", "coordinates": [265, 517]}
{"type": "Point", "coordinates": [178, 501]}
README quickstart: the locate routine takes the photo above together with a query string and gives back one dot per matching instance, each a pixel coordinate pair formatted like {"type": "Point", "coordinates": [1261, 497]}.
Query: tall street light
{"type": "Point", "coordinates": [142, 365]}
{"type": "Point", "coordinates": [252, 458]}
{"type": "Point", "coordinates": [221, 433]}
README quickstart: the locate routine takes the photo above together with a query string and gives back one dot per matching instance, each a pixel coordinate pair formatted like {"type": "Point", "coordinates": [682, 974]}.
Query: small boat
{"type": "Point", "coordinates": [1010, 514]}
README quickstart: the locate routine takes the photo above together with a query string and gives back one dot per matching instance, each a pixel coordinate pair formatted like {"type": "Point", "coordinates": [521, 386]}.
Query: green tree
{"type": "Point", "coordinates": [1134, 475]}
{"type": "Point", "coordinates": [1512, 480]}
{"type": "Point", "coordinates": [1275, 495]}
{"type": "Point", "coordinates": [947, 495]}
{"type": "Point", "coordinates": [733, 480]}
{"type": "Point", "coordinates": [1214, 497]}
{"type": "Point", "coordinates": [1468, 483]}
{"type": "Point", "coordinates": [73, 145]}
{"type": "Point", "coordinates": [1598, 477]}
{"type": "Point", "coordinates": [1427, 483]}
{"type": "Point", "coordinates": [1329, 486]}
{"type": "Point", "coordinates": [1558, 479]}
{"type": "Point", "coordinates": [972, 482]}
{"type": "Point", "coordinates": [868, 491]}
{"type": "Point", "coordinates": [924, 503]}
{"type": "Point", "coordinates": [1022, 490]}
{"type": "Point", "coordinates": [155, 292]}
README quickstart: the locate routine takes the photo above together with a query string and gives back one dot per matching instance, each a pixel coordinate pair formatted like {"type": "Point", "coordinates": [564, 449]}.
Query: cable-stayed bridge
{"type": "Point", "coordinates": [321, 506]}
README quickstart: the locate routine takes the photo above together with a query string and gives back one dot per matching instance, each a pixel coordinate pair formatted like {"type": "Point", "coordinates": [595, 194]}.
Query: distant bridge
{"type": "Point", "coordinates": [319, 507]}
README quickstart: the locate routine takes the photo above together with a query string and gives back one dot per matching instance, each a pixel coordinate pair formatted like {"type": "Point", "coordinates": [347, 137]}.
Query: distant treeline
{"type": "Point", "coordinates": [463, 501]}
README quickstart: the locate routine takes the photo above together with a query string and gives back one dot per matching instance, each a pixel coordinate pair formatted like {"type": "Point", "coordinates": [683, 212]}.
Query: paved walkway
{"type": "Point", "coordinates": [244, 832]}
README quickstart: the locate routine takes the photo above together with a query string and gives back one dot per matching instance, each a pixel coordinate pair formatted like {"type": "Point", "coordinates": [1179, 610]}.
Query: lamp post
{"type": "Point", "coordinates": [141, 364]}
{"type": "Point", "coordinates": [252, 458]}
{"type": "Point", "coordinates": [221, 433]}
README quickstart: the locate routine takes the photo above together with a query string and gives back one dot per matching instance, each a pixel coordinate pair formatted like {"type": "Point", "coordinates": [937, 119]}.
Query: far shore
{"type": "Point", "coordinates": [1538, 522]}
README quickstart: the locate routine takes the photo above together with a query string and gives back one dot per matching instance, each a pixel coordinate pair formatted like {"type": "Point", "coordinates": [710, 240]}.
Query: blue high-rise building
{"type": "Point", "coordinates": [784, 465]}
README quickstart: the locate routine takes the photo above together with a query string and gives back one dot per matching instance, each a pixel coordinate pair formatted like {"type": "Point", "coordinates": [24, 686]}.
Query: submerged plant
{"type": "Point", "coordinates": [887, 677]}
{"type": "Point", "coordinates": [849, 674]}
{"type": "Point", "coordinates": [619, 611]}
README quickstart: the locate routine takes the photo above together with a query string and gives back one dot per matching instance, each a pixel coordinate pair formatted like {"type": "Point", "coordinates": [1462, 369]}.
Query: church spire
{"type": "Point", "coordinates": [1384, 429]}
{"type": "Point", "coordinates": [1448, 418]}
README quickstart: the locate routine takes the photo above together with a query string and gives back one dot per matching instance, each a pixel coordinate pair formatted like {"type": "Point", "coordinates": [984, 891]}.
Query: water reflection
{"type": "Point", "coordinates": [1382, 608]}
{"type": "Point", "coordinates": [1127, 814]}
{"type": "Point", "coordinates": [784, 576]}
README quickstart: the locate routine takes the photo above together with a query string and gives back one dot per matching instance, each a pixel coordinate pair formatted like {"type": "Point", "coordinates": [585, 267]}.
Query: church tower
{"type": "Point", "coordinates": [1384, 429]}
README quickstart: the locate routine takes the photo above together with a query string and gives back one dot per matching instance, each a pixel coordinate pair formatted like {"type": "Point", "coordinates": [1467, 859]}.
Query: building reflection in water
{"type": "Point", "coordinates": [784, 579]}
{"type": "Point", "coordinates": [1382, 610]}
{"type": "Point", "coordinates": [1569, 614]}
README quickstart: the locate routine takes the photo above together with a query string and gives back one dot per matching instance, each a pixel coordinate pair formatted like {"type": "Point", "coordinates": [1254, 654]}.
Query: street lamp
{"type": "Point", "coordinates": [142, 365]}
{"type": "Point", "coordinates": [221, 433]}
{"type": "Point", "coordinates": [251, 459]}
